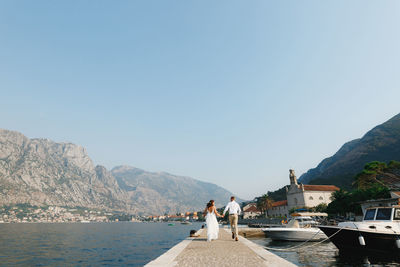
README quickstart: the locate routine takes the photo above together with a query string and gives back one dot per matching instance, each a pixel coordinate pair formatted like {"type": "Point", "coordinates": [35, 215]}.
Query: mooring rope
{"type": "Point", "coordinates": [300, 246]}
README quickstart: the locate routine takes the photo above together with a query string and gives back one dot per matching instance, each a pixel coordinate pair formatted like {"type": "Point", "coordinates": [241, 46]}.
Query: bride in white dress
{"type": "Point", "coordinates": [211, 221]}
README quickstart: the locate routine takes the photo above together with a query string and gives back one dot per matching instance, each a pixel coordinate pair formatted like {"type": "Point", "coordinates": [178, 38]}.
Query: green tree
{"type": "Point", "coordinates": [367, 178]}
{"type": "Point", "coordinates": [343, 201]}
{"type": "Point", "coordinates": [278, 195]}
{"type": "Point", "coordinates": [394, 165]}
{"type": "Point", "coordinates": [321, 207]}
{"type": "Point", "coordinates": [264, 203]}
{"type": "Point", "coordinates": [200, 215]}
{"type": "Point", "coordinates": [340, 203]}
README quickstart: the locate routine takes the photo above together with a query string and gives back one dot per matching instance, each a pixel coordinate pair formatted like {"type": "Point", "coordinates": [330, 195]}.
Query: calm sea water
{"type": "Point", "coordinates": [324, 255]}
{"type": "Point", "coordinates": [135, 244]}
{"type": "Point", "coordinates": [90, 244]}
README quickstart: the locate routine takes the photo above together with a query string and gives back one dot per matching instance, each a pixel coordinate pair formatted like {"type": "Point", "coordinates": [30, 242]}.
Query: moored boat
{"type": "Point", "coordinates": [294, 234]}
{"type": "Point", "coordinates": [300, 228]}
{"type": "Point", "coordinates": [378, 232]}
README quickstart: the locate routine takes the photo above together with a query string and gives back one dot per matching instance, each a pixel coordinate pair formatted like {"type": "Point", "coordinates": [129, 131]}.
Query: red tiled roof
{"type": "Point", "coordinates": [308, 187]}
{"type": "Point", "coordinates": [279, 203]}
{"type": "Point", "coordinates": [251, 209]}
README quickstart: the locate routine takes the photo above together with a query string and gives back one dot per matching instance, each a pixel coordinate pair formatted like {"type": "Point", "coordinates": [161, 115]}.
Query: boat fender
{"type": "Point", "coordinates": [361, 240]}
{"type": "Point", "coordinates": [398, 243]}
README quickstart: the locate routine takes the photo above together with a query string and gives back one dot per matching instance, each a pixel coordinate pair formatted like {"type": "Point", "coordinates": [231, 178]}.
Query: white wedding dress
{"type": "Point", "coordinates": [212, 226]}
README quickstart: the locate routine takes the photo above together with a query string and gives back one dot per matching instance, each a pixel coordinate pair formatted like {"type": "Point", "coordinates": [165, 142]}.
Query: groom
{"type": "Point", "coordinates": [234, 210]}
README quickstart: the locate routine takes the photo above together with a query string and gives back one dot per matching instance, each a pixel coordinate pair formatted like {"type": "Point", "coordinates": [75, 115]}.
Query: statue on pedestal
{"type": "Point", "coordinates": [292, 176]}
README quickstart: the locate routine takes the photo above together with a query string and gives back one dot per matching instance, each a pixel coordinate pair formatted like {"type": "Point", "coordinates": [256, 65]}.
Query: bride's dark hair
{"type": "Point", "coordinates": [210, 203]}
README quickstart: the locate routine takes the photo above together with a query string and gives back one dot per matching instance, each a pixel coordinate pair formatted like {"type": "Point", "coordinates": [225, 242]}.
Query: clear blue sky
{"type": "Point", "coordinates": [230, 92]}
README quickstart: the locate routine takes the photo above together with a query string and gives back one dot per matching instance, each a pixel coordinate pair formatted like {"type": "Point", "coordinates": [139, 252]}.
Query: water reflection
{"type": "Point", "coordinates": [112, 244]}
{"type": "Point", "coordinates": [325, 254]}
{"type": "Point", "coordinates": [370, 259]}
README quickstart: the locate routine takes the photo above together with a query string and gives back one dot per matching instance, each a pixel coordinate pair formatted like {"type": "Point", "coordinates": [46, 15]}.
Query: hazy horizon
{"type": "Point", "coordinates": [233, 93]}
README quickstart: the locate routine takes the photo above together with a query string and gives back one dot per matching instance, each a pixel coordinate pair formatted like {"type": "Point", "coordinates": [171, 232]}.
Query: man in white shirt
{"type": "Point", "coordinates": [234, 210]}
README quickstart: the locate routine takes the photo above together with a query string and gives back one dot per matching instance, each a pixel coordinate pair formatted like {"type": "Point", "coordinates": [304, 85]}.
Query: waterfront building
{"type": "Point", "coordinates": [250, 211]}
{"type": "Point", "coordinates": [301, 195]}
{"type": "Point", "coordinates": [279, 209]}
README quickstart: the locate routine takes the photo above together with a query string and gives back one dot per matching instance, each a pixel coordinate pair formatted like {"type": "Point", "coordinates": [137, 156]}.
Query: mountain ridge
{"type": "Point", "coordinates": [40, 171]}
{"type": "Point", "coordinates": [381, 143]}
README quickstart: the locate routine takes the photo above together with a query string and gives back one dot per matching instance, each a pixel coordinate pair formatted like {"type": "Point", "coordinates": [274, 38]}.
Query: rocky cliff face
{"type": "Point", "coordinates": [382, 143]}
{"type": "Point", "coordinates": [40, 171]}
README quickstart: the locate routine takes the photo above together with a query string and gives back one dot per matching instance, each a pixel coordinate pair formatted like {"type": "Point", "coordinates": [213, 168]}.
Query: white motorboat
{"type": "Point", "coordinates": [378, 232]}
{"type": "Point", "coordinates": [300, 228]}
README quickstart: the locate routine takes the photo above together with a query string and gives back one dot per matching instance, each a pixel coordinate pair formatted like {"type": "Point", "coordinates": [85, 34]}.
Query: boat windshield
{"type": "Point", "coordinates": [303, 221]}
{"type": "Point", "coordinates": [369, 214]}
{"type": "Point", "coordinates": [396, 215]}
{"type": "Point", "coordinates": [384, 214]}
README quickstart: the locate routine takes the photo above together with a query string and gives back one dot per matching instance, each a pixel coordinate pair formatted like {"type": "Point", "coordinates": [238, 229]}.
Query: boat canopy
{"type": "Point", "coordinates": [311, 214]}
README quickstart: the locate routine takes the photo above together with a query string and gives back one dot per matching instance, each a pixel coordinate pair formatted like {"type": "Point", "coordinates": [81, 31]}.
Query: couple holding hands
{"type": "Point", "coordinates": [211, 218]}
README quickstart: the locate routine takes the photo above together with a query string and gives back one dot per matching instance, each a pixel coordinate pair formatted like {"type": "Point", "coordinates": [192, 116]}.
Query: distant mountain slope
{"type": "Point", "coordinates": [164, 191]}
{"type": "Point", "coordinates": [40, 171]}
{"type": "Point", "coordinates": [382, 143]}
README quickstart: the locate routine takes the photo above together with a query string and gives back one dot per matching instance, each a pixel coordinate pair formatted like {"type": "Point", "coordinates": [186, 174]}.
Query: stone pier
{"type": "Point", "coordinates": [222, 252]}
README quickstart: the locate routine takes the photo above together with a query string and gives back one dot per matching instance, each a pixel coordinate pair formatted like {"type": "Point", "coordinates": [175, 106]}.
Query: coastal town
{"type": "Point", "coordinates": [25, 213]}
{"type": "Point", "coordinates": [22, 213]}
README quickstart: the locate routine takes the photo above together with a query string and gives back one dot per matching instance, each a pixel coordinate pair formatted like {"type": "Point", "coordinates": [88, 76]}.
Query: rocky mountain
{"type": "Point", "coordinates": [164, 191]}
{"type": "Point", "coordinates": [40, 171]}
{"type": "Point", "coordinates": [382, 143]}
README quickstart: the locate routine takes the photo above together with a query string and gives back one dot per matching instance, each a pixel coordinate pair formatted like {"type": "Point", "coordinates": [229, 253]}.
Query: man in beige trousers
{"type": "Point", "coordinates": [234, 211]}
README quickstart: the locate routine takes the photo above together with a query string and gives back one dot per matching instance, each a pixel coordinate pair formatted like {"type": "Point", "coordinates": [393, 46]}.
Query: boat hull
{"type": "Point", "coordinates": [348, 239]}
{"type": "Point", "coordinates": [294, 234]}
